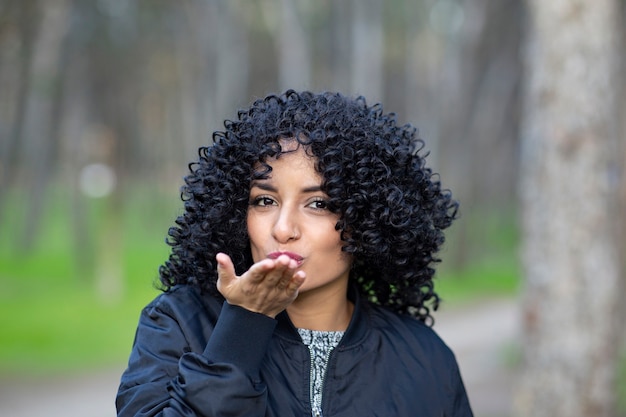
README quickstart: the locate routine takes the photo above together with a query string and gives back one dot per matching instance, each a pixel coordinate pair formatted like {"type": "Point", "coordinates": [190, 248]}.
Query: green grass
{"type": "Point", "coordinates": [52, 316]}
{"type": "Point", "coordinates": [65, 330]}
{"type": "Point", "coordinates": [487, 264]}
{"type": "Point", "coordinates": [487, 279]}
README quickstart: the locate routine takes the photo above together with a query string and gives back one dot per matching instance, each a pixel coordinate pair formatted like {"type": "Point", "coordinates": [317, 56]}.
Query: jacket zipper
{"type": "Point", "coordinates": [316, 407]}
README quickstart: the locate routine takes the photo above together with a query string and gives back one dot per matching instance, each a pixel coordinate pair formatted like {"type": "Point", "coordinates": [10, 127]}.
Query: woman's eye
{"type": "Point", "coordinates": [319, 205]}
{"type": "Point", "coordinates": [262, 201]}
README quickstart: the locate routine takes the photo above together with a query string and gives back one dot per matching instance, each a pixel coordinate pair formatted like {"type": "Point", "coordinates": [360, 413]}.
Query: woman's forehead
{"type": "Point", "coordinates": [289, 144]}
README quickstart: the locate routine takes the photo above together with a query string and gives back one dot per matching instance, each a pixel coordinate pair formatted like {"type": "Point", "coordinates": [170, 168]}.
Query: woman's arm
{"type": "Point", "coordinates": [169, 376]}
{"type": "Point", "coordinates": [459, 404]}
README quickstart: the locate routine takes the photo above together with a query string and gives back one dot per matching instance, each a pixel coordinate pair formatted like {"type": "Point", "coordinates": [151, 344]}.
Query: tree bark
{"type": "Point", "coordinates": [569, 190]}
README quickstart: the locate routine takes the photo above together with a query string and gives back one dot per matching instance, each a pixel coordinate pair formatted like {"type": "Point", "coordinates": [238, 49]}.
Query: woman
{"type": "Point", "coordinates": [324, 206]}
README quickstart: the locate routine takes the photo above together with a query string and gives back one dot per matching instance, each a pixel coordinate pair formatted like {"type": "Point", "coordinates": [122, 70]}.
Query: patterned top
{"type": "Point", "coordinates": [320, 345]}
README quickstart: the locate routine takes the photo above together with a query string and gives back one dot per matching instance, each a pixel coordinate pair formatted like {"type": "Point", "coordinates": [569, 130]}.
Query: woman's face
{"type": "Point", "coordinates": [288, 215]}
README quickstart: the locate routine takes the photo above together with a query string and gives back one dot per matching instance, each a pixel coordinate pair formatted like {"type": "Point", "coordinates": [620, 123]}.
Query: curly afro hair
{"type": "Point", "coordinates": [392, 209]}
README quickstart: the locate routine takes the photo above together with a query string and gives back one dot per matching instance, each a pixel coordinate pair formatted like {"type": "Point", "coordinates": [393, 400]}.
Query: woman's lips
{"type": "Point", "coordinates": [299, 259]}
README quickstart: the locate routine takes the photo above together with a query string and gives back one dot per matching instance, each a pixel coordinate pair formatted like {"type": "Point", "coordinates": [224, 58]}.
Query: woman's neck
{"type": "Point", "coordinates": [322, 309]}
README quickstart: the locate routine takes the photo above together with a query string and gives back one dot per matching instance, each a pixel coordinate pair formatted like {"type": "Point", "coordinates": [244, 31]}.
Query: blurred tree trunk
{"type": "Point", "coordinates": [569, 191]}
{"type": "Point", "coordinates": [112, 72]}
{"type": "Point", "coordinates": [339, 45]}
{"type": "Point", "coordinates": [461, 66]}
{"type": "Point", "coordinates": [75, 152]}
{"type": "Point", "coordinates": [195, 107]}
{"type": "Point", "coordinates": [367, 49]}
{"type": "Point", "coordinates": [421, 67]}
{"type": "Point", "coordinates": [294, 68]}
{"type": "Point", "coordinates": [28, 16]}
{"type": "Point", "coordinates": [622, 134]}
{"type": "Point", "coordinates": [231, 81]}
{"type": "Point", "coordinates": [43, 111]}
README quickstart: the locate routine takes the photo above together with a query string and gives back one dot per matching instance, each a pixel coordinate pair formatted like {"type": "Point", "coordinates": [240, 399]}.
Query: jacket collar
{"type": "Point", "coordinates": [356, 331]}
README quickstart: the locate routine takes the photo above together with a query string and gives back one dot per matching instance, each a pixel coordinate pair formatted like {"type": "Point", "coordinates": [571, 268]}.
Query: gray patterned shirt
{"type": "Point", "coordinates": [320, 345]}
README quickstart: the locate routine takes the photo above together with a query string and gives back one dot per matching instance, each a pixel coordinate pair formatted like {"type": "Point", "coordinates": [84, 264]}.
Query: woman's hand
{"type": "Point", "coordinates": [268, 287]}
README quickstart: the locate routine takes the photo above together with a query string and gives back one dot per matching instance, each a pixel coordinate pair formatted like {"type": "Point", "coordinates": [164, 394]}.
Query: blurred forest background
{"type": "Point", "coordinates": [103, 103]}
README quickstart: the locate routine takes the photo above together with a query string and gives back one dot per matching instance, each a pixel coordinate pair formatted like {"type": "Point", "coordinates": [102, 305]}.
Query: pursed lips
{"type": "Point", "coordinates": [299, 259]}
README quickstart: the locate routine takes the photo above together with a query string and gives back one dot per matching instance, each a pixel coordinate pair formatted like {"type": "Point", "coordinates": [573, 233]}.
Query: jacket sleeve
{"type": "Point", "coordinates": [460, 402]}
{"type": "Point", "coordinates": [167, 377]}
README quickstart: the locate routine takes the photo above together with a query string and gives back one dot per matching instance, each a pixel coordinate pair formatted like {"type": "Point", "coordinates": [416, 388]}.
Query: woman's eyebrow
{"type": "Point", "coordinates": [312, 189]}
{"type": "Point", "coordinates": [265, 186]}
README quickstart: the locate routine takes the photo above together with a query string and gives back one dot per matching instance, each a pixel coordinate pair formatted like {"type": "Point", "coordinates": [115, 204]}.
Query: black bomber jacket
{"type": "Point", "coordinates": [196, 356]}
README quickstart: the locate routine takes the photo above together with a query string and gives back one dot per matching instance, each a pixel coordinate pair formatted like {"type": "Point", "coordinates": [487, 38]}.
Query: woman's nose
{"type": "Point", "coordinates": [286, 226]}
